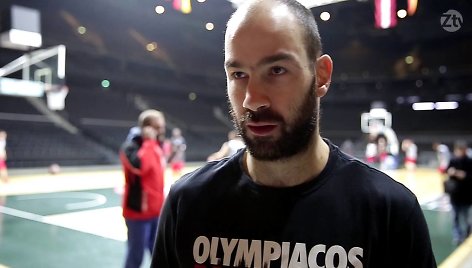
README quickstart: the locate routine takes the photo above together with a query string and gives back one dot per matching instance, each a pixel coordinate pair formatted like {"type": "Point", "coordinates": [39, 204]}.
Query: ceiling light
{"type": "Point", "coordinates": [151, 46]}
{"type": "Point", "coordinates": [401, 13]}
{"type": "Point", "coordinates": [446, 105]}
{"type": "Point", "coordinates": [325, 16]}
{"type": "Point", "coordinates": [209, 26]}
{"type": "Point", "coordinates": [81, 30]}
{"type": "Point", "coordinates": [160, 9]}
{"type": "Point", "coordinates": [105, 83]}
{"type": "Point", "coordinates": [423, 106]}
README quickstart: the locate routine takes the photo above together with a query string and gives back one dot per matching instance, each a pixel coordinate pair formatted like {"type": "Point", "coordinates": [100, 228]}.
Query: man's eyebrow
{"type": "Point", "coordinates": [277, 57]}
{"type": "Point", "coordinates": [232, 64]}
{"type": "Point", "coordinates": [267, 60]}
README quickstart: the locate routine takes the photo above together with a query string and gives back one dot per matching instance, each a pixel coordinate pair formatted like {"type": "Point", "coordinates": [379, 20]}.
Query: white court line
{"type": "Point", "coordinates": [104, 222]}
{"type": "Point", "coordinates": [22, 214]}
{"type": "Point", "coordinates": [96, 199]}
{"type": "Point", "coordinates": [439, 203]}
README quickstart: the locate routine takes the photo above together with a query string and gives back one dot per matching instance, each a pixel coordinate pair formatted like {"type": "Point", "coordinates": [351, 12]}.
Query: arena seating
{"type": "Point", "coordinates": [36, 144]}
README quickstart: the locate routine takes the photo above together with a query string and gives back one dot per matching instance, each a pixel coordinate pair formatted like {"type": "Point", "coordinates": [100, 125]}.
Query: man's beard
{"type": "Point", "coordinates": [295, 136]}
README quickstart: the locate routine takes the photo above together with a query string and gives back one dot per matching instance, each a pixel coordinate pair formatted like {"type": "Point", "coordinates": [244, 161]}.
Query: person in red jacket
{"type": "Point", "coordinates": [144, 164]}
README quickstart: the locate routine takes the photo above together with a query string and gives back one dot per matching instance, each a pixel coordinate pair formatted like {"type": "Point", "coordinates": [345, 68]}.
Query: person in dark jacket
{"type": "Point", "coordinates": [459, 174]}
{"type": "Point", "coordinates": [144, 164]}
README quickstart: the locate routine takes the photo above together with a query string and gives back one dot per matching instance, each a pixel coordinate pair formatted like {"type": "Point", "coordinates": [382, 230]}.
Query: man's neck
{"type": "Point", "coordinates": [291, 171]}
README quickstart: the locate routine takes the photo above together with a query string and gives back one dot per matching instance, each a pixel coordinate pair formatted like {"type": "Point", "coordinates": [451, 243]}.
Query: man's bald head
{"type": "Point", "coordinates": [284, 11]}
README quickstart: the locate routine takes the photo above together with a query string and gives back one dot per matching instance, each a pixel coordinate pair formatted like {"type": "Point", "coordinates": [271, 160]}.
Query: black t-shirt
{"type": "Point", "coordinates": [351, 215]}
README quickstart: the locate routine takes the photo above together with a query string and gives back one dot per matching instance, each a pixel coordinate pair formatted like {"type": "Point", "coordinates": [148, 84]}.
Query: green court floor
{"type": "Point", "coordinates": [29, 237]}
{"type": "Point", "coordinates": [75, 229]}
{"type": "Point", "coordinates": [440, 226]}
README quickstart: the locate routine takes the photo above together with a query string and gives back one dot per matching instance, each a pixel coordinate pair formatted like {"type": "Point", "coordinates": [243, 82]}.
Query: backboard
{"type": "Point", "coordinates": [42, 68]}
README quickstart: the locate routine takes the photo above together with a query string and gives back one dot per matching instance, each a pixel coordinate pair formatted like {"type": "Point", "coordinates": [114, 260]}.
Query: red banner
{"type": "Point", "coordinates": [385, 13]}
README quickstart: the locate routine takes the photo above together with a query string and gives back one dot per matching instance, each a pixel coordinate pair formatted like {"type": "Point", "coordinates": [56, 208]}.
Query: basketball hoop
{"type": "Point", "coordinates": [56, 96]}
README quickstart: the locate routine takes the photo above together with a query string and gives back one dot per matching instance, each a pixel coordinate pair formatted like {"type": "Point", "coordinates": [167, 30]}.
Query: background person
{"type": "Point", "coordinates": [229, 147]}
{"type": "Point", "coordinates": [411, 154]}
{"type": "Point", "coordinates": [143, 164]}
{"type": "Point", "coordinates": [443, 156]}
{"type": "Point", "coordinates": [459, 174]}
{"type": "Point", "coordinates": [371, 150]}
{"type": "Point", "coordinates": [178, 148]}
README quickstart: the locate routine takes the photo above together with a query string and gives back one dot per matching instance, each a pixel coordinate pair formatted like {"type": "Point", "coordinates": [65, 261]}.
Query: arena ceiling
{"type": "Point", "coordinates": [376, 63]}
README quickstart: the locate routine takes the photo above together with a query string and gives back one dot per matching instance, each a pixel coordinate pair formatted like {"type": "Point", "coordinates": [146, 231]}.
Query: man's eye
{"type": "Point", "coordinates": [278, 70]}
{"type": "Point", "coordinates": [239, 75]}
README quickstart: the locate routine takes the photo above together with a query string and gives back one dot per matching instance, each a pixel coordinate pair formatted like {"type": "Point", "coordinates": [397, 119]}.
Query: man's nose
{"type": "Point", "coordinates": [256, 95]}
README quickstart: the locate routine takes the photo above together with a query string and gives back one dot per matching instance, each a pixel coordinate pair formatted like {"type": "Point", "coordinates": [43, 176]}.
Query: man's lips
{"type": "Point", "coordinates": [261, 129]}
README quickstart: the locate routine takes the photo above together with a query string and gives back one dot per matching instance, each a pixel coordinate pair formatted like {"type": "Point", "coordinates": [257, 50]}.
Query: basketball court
{"type": "Point", "coordinates": [73, 218]}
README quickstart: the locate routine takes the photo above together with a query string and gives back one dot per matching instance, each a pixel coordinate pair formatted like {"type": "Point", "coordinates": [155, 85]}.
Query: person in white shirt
{"type": "Point", "coordinates": [411, 154]}
{"type": "Point", "coordinates": [443, 155]}
{"type": "Point", "coordinates": [228, 148]}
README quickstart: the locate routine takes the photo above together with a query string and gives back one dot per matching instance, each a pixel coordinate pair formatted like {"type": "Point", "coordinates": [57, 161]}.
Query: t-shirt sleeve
{"type": "Point", "coordinates": [412, 243]}
{"type": "Point", "coordinates": [164, 249]}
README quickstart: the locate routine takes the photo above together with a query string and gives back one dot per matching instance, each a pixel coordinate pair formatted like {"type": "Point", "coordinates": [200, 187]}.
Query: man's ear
{"type": "Point", "coordinates": [323, 71]}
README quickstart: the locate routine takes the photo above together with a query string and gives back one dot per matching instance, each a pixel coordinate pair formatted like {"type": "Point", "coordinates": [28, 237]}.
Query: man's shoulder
{"type": "Point", "coordinates": [212, 174]}
{"type": "Point", "coordinates": [374, 183]}
{"type": "Point", "coordinates": [366, 185]}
